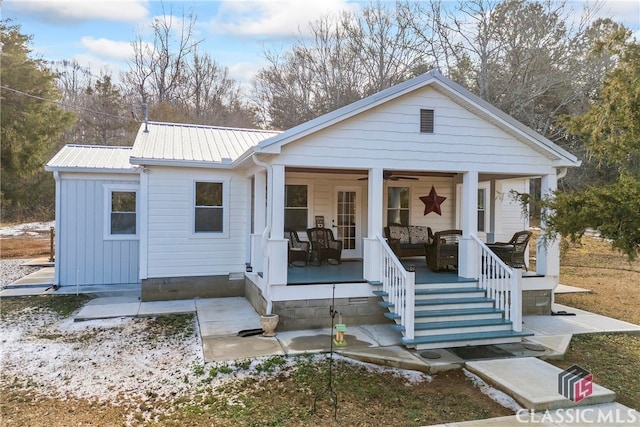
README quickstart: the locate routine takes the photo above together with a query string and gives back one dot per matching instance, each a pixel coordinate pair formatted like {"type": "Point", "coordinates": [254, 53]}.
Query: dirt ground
{"type": "Point", "coordinates": [25, 247]}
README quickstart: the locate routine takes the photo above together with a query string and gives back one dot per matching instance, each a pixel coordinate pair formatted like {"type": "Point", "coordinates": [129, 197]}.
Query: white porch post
{"type": "Point", "coordinates": [371, 260]}
{"type": "Point", "coordinates": [259, 220]}
{"type": "Point", "coordinates": [277, 245]}
{"type": "Point", "coordinates": [548, 253]}
{"type": "Point", "coordinates": [467, 256]}
{"type": "Point", "coordinates": [495, 212]}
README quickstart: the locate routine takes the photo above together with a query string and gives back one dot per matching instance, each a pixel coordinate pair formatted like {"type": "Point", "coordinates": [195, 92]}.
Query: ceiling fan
{"type": "Point", "coordinates": [388, 175]}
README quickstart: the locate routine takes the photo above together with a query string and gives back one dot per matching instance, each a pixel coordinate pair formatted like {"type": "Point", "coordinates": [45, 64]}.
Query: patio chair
{"type": "Point", "coordinates": [323, 246]}
{"type": "Point", "coordinates": [299, 251]}
{"type": "Point", "coordinates": [512, 252]}
{"type": "Point", "coordinates": [442, 252]}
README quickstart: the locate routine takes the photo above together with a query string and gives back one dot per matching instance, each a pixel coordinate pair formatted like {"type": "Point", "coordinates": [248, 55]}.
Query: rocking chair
{"type": "Point", "coordinates": [298, 250]}
{"type": "Point", "coordinates": [323, 246]}
{"type": "Point", "coordinates": [512, 252]}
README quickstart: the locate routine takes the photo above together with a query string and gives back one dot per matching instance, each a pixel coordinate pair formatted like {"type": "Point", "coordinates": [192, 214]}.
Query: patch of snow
{"type": "Point", "coordinates": [29, 229]}
{"type": "Point", "coordinates": [495, 394]}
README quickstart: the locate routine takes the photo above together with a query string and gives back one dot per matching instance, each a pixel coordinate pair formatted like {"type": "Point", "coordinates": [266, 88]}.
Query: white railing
{"type": "Point", "coordinates": [502, 283]}
{"type": "Point", "coordinates": [399, 284]}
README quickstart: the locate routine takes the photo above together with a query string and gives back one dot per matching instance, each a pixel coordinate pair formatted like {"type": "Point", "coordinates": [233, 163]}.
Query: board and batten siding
{"type": "Point", "coordinates": [173, 249]}
{"type": "Point", "coordinates": [389, 136]}
{"type": "Point", "coordinates": [84, 255]}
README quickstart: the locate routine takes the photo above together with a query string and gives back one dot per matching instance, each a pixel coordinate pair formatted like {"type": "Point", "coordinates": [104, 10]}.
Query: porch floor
{"type": "Point", "coordinates": [350, 271]}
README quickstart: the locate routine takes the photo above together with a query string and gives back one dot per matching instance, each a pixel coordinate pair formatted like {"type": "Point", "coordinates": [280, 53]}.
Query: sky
{"type": "Point", "coordinates": [97, 33]}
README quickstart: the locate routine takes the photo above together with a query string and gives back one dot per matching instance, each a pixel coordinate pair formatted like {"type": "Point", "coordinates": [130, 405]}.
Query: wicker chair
{"type": "Point", "coordinates": [299, 251]}
{"type": "Point", "coordinates": [323, 246]}
{"type": "Point", "coordinates": [512, 252]}
{"type": "Point", "coordinates": [442, 253]}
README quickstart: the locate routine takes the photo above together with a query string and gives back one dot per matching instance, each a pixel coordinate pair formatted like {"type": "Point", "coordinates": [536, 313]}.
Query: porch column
{"type": "Point", "coordinates": [277, 246]}
{"type": "Point", "coordinates": [259, 220]}
{"type": "Point", "coordinates": [548, 253]}
{"type": "Point", "coordinates": [467, 252]}
{"type": "Point", "coordinates": [371, 260]}
{"type": "Point", "coordinates": [495, 211]}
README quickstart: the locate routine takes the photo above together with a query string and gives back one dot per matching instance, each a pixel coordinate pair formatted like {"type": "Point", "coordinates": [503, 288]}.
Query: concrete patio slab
{"type": "Point", "coordinates": [381, 334]}
{"type": "Point", "coordinates": [533, 383]}
{"type": "Point", "coordinates": [39, 262]}
{"type": "Point", "coordinates": [226, 327]}
{"type": "Point", "coordinates": [107, 311]}
{"type": "Point", "coordinates": [566, 289]}
{"type": "Point", "coordinates": [393, 356]}
{"type": "Point", "coordinates": [225, 316]}
{"type": "Point", "coordinates": [320, 340]}
{"type": "Point", "coordinates": [218, 349]}
{"type": "Point", "coordinates": [44, 276]}
{"type": "Point", "coordinates": [581, 322]}
{"type": "Point", "coordinates": [24, 292]}
{"type": "Point", "coordinates": [153, 308]}
{"type": "Point", "coordinates": [557, 345]}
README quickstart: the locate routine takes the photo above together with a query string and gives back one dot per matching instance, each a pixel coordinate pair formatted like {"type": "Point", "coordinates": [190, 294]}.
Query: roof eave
{"type": "Point", "coordinates": [226, 164]}
{"type": "Point", "coordinates": [129, 171]}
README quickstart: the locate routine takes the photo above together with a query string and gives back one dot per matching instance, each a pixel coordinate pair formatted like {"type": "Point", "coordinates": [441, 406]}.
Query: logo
{"type": "Point", "coordinates": [575, 383]}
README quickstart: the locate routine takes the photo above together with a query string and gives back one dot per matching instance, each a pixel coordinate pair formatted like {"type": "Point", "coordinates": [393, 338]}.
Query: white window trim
{"type": "Point", "coordinates": [386, 200]}
{"type": "Point", "coordinates": [311, 214]}
{"type": "Point", "coordinates": [224, 234]}
{"type": "Point", "coordinates": [108, 189]}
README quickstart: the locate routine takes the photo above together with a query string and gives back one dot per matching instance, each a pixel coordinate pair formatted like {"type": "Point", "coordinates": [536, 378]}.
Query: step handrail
{"type": "Point", "coordinates": [502, 283]}
{"type": "Point", "coordinates": [399, 285]}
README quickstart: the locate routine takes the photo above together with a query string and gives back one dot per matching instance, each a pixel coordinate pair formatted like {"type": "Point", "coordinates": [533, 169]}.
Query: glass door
{"type": "Point", "coordinates": [348, 228]}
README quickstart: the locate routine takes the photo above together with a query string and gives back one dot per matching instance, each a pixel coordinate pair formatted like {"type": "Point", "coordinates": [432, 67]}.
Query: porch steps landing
{"type": "Point", "coordinates": [453, 315]}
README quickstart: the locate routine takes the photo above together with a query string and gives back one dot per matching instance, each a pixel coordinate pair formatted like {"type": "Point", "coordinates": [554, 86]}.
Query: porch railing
{"type": "Point", "coordinates": [399, 285]}
{"type": "Point", "coordinates": [502, 283]}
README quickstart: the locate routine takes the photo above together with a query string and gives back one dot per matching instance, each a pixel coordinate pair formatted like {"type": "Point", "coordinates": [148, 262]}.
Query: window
{"type": "Point", "coordinates": [482, 210]}
{"type": "Point", "coordinates": [296, 208]}
{"type": "Point", "coordinates": [123, 212]}
{"type": "Point", "coordinates": [426, 121]}
{"type": "Point", "coordinates": [398, 205]}
{"type": "Point", "coordinates": [209, 209]}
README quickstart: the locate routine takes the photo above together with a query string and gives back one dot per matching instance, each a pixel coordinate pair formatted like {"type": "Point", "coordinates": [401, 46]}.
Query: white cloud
{"type": "Point", "coordinates": [76, 11]}
{"type": "Point", "coordinates": [272, 18]}
{"type": "Point", "coordinates": [105, 48]}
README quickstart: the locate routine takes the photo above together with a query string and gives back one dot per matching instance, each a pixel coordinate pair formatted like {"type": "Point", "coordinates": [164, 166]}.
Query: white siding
{"type": "Point", "coordinates": [84, 256]}
{"type": "Point", "coordinates": [173, 249]}
{"type": "Point", "coordinates": [513, 219]}
{"type": "Point", "coordinates": [388, 136]}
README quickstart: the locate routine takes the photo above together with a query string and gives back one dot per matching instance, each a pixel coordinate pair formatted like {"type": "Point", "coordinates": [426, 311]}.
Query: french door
{"type": "Point", "coordinates": [348, 226]}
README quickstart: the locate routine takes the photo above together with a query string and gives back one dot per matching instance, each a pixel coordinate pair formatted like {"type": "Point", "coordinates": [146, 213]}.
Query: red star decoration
{"type": "Point", "coordinates": [432, 202]}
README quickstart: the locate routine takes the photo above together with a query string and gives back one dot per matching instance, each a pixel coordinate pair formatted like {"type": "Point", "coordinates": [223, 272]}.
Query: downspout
{"type": "Point", "coordinates": [561, 172]}
{"type": "Point", "coordinates": [267, 229]}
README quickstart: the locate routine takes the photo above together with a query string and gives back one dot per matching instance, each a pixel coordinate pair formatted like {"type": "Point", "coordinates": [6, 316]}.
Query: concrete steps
{"type": "Point", "coordinates": [453, 315]}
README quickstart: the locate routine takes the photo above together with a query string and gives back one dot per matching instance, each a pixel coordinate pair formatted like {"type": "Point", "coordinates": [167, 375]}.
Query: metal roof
{"type": "Point", "coordinates": [79, 158]}
{"type": "Point", "coordinates": [191, 145]}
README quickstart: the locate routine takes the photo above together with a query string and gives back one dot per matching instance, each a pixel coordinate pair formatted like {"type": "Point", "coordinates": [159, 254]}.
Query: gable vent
{"type": "Point", "coordinates": [426, 121]}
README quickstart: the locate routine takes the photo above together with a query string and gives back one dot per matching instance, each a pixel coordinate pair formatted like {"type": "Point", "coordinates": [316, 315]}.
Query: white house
{"type": "Point", "coordinates": [202, 211]}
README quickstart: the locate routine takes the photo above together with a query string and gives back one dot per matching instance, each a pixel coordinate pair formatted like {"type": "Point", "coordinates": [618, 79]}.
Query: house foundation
{"type": "Point", "coordinates": [175, 288]}
{"type": "Point", "coordinates": [537, 302]}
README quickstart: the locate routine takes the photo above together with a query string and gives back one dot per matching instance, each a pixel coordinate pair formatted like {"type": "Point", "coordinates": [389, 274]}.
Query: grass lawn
{"type": "Point", "coordinates": [614, 359]}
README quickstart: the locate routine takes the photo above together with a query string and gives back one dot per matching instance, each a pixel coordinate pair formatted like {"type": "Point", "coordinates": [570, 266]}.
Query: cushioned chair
{"type": "Point", "coordinates": [323, 246]}
{"type": "Point", "coordinates": [408, 240]}
{"type": "Point", "coordinates": [442, 253]}
{"type": "Point", "coordinates": [299, 251]}
{"type": "Point", "coordinates": [512, 252]}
